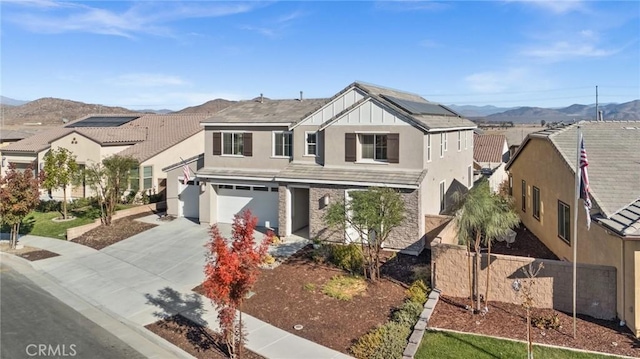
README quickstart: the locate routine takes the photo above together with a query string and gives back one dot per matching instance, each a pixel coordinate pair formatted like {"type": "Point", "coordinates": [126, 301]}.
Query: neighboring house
{"type": "Point", "coordinates": [490, 155]}
{"type": "Point", "coordinates": [543, 186]}
{"type": "Point", "coordinates": [287, 160]}
{"type": "Point", "coordinates": [154, 140]}
{"type": "Point", "coordinates": [8, 137]}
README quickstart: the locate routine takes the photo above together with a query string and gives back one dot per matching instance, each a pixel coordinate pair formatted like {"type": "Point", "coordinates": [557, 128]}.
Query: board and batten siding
{"type": "Point", "coordinates": [333, 108]}
{"type": "Point", "coordinates": [369, 113]}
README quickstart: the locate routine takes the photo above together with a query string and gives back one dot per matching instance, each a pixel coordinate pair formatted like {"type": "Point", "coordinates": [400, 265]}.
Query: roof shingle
{"type": "Point", "coordinates": [488, 148]}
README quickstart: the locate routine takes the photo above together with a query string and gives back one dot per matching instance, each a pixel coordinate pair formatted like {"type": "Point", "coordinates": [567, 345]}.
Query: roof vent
{"type": "Point", "coordinates": [301, 96]}
{"type": "Point", "coordinates": [261, 98]}
{"type": "Point", "coordinates": [64, 120]}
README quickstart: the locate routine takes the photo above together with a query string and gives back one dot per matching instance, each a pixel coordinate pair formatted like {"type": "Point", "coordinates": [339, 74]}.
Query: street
{"type": "Point", "coordinates": [34, 324]}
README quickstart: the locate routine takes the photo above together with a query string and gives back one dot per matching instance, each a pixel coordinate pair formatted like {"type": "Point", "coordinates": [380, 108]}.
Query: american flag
{"type": "Point", "coordinates": [186, 173]}
{"type": "Point", "coordinates": [584, 182]}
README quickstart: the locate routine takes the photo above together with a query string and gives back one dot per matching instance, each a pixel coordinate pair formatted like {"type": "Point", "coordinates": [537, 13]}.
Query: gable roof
{"type": "Point", "coordinates": [9, 135]}
{"type": "Point", "coordinates": [488, 148]}
{"type": "Point", "coordinates": [429, 116]}
{"type": "Point", "coordinates": [276, 112]}
{"type": "Point", "coordinates": [613, 151]}
{"type": "Point", "coordinates": [150, 134]}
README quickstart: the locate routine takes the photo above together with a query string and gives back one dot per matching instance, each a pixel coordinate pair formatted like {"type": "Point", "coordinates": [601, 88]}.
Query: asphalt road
{"type": "Point", "coordinates": [34, 324]}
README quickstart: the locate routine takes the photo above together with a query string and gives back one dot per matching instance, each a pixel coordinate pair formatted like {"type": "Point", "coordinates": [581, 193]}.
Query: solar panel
{"type": "Point", "coordinates": [98, 121]}
{"type": "Point", "coordinates": [420, 108]}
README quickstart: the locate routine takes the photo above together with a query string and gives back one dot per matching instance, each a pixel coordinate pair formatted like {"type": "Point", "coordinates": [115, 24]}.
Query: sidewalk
{"type": "Point", "coordinates": [150, 276]}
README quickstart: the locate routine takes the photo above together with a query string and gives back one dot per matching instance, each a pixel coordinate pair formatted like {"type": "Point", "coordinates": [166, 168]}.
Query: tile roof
{"type": "Point", "coordinates": [164, 131]}
{"type": "Point", "coordinates": [613, 151]}
{"type": "Point", "coordinates": [267, 111]}
{"type": "Point", "coordinates": [13, 135]}
{"type": "Point", "coordinates": [112, 135]}
{"type": "Point", "coordinates": [626, 221]}
{"type": "Point", "coordinates": [488, 148]}
{"type": "Point", "coordinates": [38, 142]}
{"type": "Point", "coordinates": [435, 121]}
{"type": "Point", "coordinates": [312, 173]}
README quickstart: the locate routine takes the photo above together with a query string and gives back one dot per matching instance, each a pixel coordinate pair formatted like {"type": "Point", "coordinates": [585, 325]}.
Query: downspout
{"type": "Point", "coordinates": [623, 322]}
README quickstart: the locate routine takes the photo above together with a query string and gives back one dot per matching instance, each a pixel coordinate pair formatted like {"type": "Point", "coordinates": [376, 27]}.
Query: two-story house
{"type": "Point", "coordinates": [288, 160]}
{"type": "Point", "coordinates": [542, 174]}
{"type": "Point", "coordinates": [490, 156]}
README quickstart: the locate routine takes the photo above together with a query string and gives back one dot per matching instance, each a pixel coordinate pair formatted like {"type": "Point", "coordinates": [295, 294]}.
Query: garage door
{"type": "Point", "coordinates": [262, 201]}
{"type": "Point", "coordinates": [189, 200]}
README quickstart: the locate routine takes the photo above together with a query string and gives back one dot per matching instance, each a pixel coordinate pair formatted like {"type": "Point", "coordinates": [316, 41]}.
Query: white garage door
{"type": "Point", "coordinates": [189, 200]}
{"type": "Point", "coordinates": [262, 201]}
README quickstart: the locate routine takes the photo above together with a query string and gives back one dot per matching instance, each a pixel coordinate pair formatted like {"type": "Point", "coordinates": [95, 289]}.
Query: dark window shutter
{"type": "Point", "coordinates": [393, 147]}
{"type": "Point", "coordinates": [247, 143]}
{"type": "Point", "coordinates": [217, 143]}
{"type": "Point", "coordinates": [350, 147]}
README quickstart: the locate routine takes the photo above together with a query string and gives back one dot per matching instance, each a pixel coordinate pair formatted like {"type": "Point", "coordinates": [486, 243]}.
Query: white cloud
{"type": "Point", "coordinates": [489, 82]}
{"type": "Point", "coordinates": [147, 80]}
{"type": "Point", "coordinates": [556, 7]}
{"type": "Point", "coordinates": [141, 17]}
{"type": "Point", "coordinates": [563, 50]}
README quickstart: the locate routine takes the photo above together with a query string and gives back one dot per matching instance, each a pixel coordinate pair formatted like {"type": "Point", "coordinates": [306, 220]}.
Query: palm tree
{"type": "Point", "coordinates": [482, 217]}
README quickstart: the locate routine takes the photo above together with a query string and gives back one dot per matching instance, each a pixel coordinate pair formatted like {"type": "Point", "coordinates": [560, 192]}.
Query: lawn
{"type": "Point", "coordinates": [455, 345]}
{"type": "Point", "coordinates": [41, 224]}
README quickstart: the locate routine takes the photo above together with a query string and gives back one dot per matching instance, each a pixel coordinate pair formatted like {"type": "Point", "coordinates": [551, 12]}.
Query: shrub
{"type": "Point", "coordinates": [156, 197]}
{"type": "Point", "coordinates": [422, 272]}
{"type": "Point", "coordinates": [348, 257]}
{"type": "Point", "coordinates": [417, 292]}
{"type": "Point", "coordinates": [546, 322]}
{"type": "Point", "coordinates": [48, 206]}
{"type": "Point", "coordinates": [79, 203]}
{"type": "Point", "coordinates": [268, 259]}
{"type": "Point", "coordinates": [408, 314]}
{"type": "Point", "coordinates": [384, 342]}
{"type": "Point", "coordinates": [309, 287]}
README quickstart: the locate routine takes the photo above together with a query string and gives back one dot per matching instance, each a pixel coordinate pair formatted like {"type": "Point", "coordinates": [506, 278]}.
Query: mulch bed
{"type": "Point", "coordinates": [119, 230]}
{"type": "Point", "coordinates": [525, 245]}
{"type": "Point", "coordinates": [199, 341]}
{"type": "Point", "coordinates": [29, 253]}
{"type": "Point", "coordinates": [509, 321]}
{"type": "Point", "coordinates": [291, 294]}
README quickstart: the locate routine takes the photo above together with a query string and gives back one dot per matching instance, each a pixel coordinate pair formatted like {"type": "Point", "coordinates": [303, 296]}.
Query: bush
{"type": "Point", "coordinates": [417, 292]}
{"type": "Point", "coordinates": [385, 342]}
{"type": "Point", "coordinates": [408, 314]}
{"type": "Point", "coordinates": [48, 206]}
{"type": "Point", "coordinates": [348, 257]}
{"type": "Point", "coordinates": [344, 287]}
{"type": "Point", "coordinates": [79, 203]}
{"type": "Point", "coordinates": [546, 322]}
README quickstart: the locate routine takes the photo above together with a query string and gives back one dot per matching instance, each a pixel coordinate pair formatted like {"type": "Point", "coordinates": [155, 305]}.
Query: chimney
{"type": "Point", "coordinates": [301, 96]}
{"type": "Point", "coordinates": [600, 115]}
{"type": "Point", "coordinates": [261, 98]}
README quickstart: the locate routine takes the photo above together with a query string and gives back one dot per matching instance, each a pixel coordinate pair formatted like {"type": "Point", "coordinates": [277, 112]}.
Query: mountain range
{"type": "Point", "coordinates": [53, 111]}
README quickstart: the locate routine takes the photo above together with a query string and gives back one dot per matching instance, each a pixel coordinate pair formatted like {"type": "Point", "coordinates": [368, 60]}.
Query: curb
{"type": "Point", "coordinates": [421, 325]}
{"type": "Point", "coordinates": [140, 339]}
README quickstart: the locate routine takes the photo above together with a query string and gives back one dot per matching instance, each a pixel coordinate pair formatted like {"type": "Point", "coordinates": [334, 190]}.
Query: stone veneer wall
{"type": "Point", "coordinates": [596, 285]}
{"type": "Point", "coordinates": [406, 238]}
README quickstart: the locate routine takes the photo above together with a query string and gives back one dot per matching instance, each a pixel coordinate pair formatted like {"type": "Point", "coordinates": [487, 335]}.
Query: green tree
{"type": "Point", "coordinates": [19, 195]}
{"type": "Point", "coordinates": [542, 123]}
{"type": "Point", "coordinates": [60, 170]}
{"type": "Point", "coordinates": [372, 214]}
{"type": "Point", "coordinates": [109, 180]}
{"type": "Point", "coordinates": [482, 217]}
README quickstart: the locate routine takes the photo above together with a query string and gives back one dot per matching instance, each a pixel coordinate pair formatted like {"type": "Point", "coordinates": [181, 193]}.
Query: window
{"type": "Point", "coordinates": [428, 148]}
{"type": "Point", "coordinates": [282, 144]}
{"type": "Point", "coordinates": [147, 177]}
{"type": "Point", "coordinates": [459, 141]}
{"type": "Point", "coordinates": [232, 143]}
{"type": "Point", "coordinates": [510, 185]}
{"type": "Point", "coordinates": [536, 203]}
{"type": "Point", "coordinates": [374, 147]}
{"type": "Point", "coordinates": [446, 142]}
{"type": "Point", "coordinates": [442, 144]}
{"type": "Point", "coordinates": [466, 139]}
{"type": "Point", "coordinates": [243, 188]}
{"type": "Point", "coordinates": [134, 179]}
{"type": "Point", "coordinates": [311, 149]}
{"type": "Point", "coordinates": [470, 175]}
{"type": "Point", "coordinates": [258, 188]}
{"type": "Point", "coordinates": [524, 196]}
{"type": "Point", "coordinates": [564, 221]}
{"type": "Point", "coordinates": [442, 196]}
{"type": "Point", "coordinates": [225, 186]}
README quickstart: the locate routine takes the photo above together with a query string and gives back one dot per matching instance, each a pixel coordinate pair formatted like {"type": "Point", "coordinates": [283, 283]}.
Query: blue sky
{"type": "Point", "coordinates": [173, 54]}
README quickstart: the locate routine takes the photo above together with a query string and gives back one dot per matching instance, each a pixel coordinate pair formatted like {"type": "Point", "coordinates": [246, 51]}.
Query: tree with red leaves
{"type": "Point", "coordinates": [19, 195]}
{"type": "Point", "coordinates": [231, 272]}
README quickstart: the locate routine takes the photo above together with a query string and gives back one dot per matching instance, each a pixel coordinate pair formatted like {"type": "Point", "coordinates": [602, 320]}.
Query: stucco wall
{"type": "Point", "coordinates": [262, 149]}
{"type": "Point", "coordinates": [540, 165]}
{"type": "Point", "coordinates": [596, 285]}
{"type": "Point", "coordinates": [174, 177]}
{"type": "Point", "coordinates": [406, 238]}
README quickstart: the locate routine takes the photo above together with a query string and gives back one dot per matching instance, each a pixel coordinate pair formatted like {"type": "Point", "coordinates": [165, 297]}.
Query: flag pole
{"type": "Point", "coordinates": [575, 225]}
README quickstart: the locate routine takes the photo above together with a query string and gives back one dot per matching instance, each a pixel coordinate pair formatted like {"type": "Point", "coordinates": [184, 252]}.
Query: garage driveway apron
{"type": "Point", "coordinates": [150, 276]}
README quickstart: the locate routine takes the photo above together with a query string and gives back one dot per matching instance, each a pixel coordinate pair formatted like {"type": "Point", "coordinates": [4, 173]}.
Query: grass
{"type": "Point", "coordinates": [41, 224]}
{"type": "Point", "coordinates": [344, 287]}
{"type": "Point", "coordinates": [309, 287]}
{"type": "Point", "coordinates": [454, 345]}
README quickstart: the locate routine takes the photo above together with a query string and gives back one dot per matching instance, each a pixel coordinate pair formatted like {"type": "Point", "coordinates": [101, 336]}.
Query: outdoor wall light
{"type": "Point", "coordinates": [203, 186]}
{"type": "Point", "coordinates": [325, 200]}
{"type": "Point", "coordinates": [4, 161]}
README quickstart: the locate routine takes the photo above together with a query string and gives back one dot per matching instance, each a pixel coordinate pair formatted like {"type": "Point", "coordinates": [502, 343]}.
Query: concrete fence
{"type": "Point", "coordinates": [596, 285]}
{"type": "Point", "coordinates": [76, 232]}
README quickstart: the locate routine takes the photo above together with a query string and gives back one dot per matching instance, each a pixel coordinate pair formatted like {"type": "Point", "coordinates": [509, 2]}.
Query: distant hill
{"type": "Point", "coordinates": [477, 111]}
{"type": "Point", "coordinates": [208, 107]}
{"type": "Point", "coordinates": [50, 111]}
{"type": "Point", "coordinates": [164, 111]}
{"type": "Point", "coordinates": [11, 101]}
{"type": "Point", "coordinates": [624, 111]}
